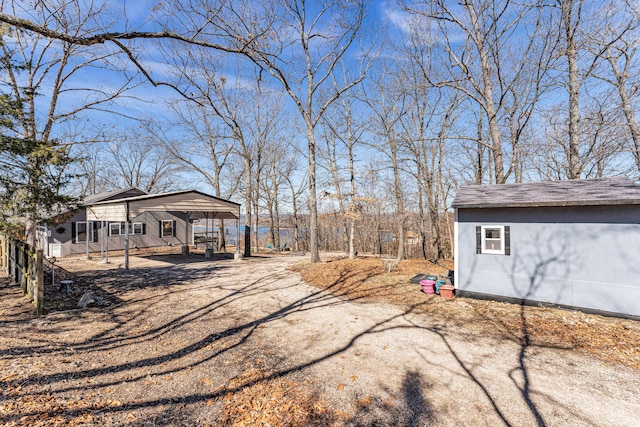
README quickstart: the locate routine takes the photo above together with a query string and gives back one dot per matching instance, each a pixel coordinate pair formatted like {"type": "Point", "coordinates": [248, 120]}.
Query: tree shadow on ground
{"type": "Point", "coordinates": [202, 337]}
{"type": "Point", "coordinates": [409, 408]}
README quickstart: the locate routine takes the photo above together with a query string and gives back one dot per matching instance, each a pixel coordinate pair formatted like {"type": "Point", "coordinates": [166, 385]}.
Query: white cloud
{"type": "Point", "coordinates": [399, 18]}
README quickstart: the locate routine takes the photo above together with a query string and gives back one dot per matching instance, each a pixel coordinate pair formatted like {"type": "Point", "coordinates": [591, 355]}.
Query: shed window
{"type": "Point", "coordinates": [493, 239]}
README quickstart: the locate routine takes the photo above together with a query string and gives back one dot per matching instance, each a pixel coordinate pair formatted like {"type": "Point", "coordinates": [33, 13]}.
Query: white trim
{"type": "Point", "coordinates": [119, 233]}
{"type": "Point", "coordinates": [483, 248]}
{"type": "Point", "coordinates": [88, 232]}
{"type": "Point", "coordinates": [133, 228]}
{"type": "Point", "coordinates": [455, 248]}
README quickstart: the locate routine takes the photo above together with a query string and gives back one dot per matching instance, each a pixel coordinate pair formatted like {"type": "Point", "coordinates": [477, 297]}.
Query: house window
{"type": "Point", "coordinates": [493, 239]}
{"type": "Point", "coordinates": [115, 229]}
{"type": "Point", "coordinates": [138, 228]}
{"type": "Point", "coordinates": [167, 228]}
{"type": "Point", "coordinates": [79, 232]}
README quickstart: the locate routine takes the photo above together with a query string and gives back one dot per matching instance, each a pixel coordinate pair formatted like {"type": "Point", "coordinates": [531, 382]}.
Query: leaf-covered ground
{"type": "Point", "coordinates": [611, 339]}
{"type": "Point", "coordinates": [157, 337]}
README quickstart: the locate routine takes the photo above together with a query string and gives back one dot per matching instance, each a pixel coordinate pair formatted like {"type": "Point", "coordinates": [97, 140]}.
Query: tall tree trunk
{"type": "Point", "coordinates": [571, 53]}
{"type": "Point", "coordinates": [256, 222]}
{"type": "Point", "coordinates": [247, 217]}
{"type": "Point", "coordinates": [313, 201]}
{"type": "Point", "coordinates": [487, 95]}
{"type": "Point", "coordinates": [352, 181]}
{"type": "Point", "coordinates": [399, 200]}
{"type": "Point", "coordinates": [422, 220]}
{"type": "Point", "coordinates": [276, 214]}
{"type": "Point", "coordinates": [296, 226]}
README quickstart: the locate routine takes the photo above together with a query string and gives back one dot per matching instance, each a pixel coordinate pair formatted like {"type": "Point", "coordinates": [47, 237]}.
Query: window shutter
{"type": "Point", "coordinates": [159, 228]}
{"type": "Point", "coordinates": [144, 228]}
{"type": "Point", "coordinates": [95, 231]}
{"type": "Point", "coordinates": [478, 239]}
{"type": "Point", "coordinates": [507, 240]}
{"type": "Point", "coordinates": [174, 228]}
{"type": "Point", "coordinates": [73, 232]}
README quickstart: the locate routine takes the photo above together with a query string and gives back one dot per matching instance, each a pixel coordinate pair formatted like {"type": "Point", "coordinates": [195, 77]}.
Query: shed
{"type": "Point", "coordinates": [570, 243]}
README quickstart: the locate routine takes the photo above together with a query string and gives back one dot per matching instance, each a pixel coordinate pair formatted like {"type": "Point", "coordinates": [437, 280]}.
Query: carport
{"type": "Point", "coordinates": [194, 204]}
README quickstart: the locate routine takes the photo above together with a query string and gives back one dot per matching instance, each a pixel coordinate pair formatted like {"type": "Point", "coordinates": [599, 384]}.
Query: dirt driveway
{"type": "Point", "coordinates": [182, 343]}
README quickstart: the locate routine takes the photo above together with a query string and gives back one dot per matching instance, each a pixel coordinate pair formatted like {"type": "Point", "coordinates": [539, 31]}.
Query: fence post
{"type": "Point", "coordinates": [32, 272]}
{"type": "Point", "coordinates": [2, 265]}
{"type": "Point", "coordinates": [39, 280]}
{"type": "Point", "coordinates": [12, 260]}
{"type": "Point", "coordinates": [24, 264]}
{"type": "Point", "coordinates": [3, 252]}
{"type": "Point", "coordinates": [24, 268]}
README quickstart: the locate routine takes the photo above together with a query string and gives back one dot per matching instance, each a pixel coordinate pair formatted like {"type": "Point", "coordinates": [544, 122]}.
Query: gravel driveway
{"type": "Point", "coordinates": [165, 350]}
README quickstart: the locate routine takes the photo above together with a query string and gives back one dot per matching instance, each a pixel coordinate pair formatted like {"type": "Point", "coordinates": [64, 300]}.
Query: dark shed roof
{"type": "Point", "coordinates": [585, 192]}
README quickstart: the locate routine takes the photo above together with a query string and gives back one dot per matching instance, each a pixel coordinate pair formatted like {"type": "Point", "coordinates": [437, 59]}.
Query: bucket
{"type": "Point", "coordinates": [439, 283]}
{"type": "Point", "coordinates": [446, 291]}
{"type": "Point", "coordinates": [428, 286]}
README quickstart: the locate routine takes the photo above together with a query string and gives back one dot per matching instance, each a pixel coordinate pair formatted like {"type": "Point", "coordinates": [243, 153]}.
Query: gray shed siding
{"type": "Point", "coordinates": [585, 257]}
{"type": "Point", "coordinates": [148, 240]}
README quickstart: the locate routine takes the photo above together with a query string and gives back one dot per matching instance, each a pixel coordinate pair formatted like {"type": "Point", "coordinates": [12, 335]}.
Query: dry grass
{"type": "Point", "coordinates": [275, 402]}
{"type": "Point", "coordinates": [610, 339]}
{"type": "Point", "coordinates": [365, 278]}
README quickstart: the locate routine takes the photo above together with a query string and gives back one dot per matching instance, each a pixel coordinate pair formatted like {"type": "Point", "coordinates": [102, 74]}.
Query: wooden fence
{"type": "Point", "coordinates": [24, 264]}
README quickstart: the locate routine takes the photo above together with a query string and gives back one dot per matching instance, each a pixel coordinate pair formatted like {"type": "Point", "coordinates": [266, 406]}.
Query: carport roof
{"type": "Point", "coordinates": [196, 203]}
{"type": "Point", "coordinates": [586, 192]}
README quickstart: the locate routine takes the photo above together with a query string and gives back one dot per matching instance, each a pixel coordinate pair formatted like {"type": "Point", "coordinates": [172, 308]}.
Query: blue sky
{"type": "Point", "coordinates": [384, 17]}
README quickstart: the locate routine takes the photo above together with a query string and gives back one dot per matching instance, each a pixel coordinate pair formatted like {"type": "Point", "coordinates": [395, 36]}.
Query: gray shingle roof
{"type": "Point", "coordinates": [586, 192]}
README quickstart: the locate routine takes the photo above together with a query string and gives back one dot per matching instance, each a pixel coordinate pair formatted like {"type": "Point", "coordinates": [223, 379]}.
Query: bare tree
{"type": "Point", "coordinates": [203, 146]}
{"type": "Point", "coordinates": [430, 114]}
{"type": "Point", "coordinates": [317, 39]}
{"type": "Point", "coordinates": [345, 128]}
{"type": "Point", "coordinates": [265, 125]}
{"type": "Point", "coordinates": [137, 160]}
{"type": "Point", "coordinates": [320, 36]}
{"type": "Point", "coordinates": [36, 65]}
{"type": "Point", "coordinates": [279, 165]}
{"type": "Point", "coordinates": [296, 193]}
{"type": "Point", "coordinates": [617, 43]}
{"type": "Point", "coordinates": [571, 14]}
{"type": "Point", "coordinates": [496, 66]}
{"type": "Point", "coordinates": [386, 99]}
{"type": "Point", "coordinates": [130, 159]}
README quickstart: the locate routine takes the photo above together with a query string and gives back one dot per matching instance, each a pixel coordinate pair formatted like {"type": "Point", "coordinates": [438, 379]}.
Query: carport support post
{"type": "Point", "coordinates": [238, 255]}
{"type": "Point", "coordinates": [126, 237]}
{"type": "Point", "coordinates": [106, 243]}
{"type": "Point", "coordinates": [185, 245]}
{"type": "Point", "coordinates": [101, 240]}
{"type": "Point", "coordinates": [87, 228]}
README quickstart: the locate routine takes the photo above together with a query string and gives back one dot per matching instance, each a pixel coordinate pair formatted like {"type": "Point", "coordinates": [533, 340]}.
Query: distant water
{"type": "Point", "coordinates": [286, 234]}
